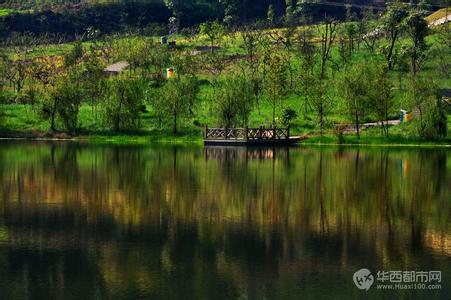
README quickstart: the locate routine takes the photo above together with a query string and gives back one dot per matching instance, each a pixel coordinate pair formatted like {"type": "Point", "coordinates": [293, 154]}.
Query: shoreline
{"type": "Point", "coordinates": [128, 139]}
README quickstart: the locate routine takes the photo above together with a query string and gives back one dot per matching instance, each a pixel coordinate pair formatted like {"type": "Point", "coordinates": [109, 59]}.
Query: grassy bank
{"type": "Point", "coordinates": [22, 122]}
{"type": "Point", "coordinates": [18, 120]}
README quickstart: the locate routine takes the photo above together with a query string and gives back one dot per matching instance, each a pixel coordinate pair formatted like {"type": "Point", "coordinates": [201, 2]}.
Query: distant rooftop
{"type": "Point", "coordinates": [117, 67]}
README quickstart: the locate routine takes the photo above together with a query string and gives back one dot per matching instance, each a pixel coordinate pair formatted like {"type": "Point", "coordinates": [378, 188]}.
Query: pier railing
{"type": "Point", "coordinates": [246, 133]}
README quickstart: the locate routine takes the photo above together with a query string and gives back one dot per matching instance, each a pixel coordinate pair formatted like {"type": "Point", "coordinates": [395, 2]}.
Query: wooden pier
{"type": "Point", "coordinates": [248, 136]}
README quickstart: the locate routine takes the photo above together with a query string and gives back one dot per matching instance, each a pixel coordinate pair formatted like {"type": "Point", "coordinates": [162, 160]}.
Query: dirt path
{"type": "Point", "coordinates": [352, 128]}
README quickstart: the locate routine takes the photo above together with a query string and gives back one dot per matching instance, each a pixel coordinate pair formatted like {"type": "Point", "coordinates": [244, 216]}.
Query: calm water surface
{"type": "Point", "coordinates": [87, 221]}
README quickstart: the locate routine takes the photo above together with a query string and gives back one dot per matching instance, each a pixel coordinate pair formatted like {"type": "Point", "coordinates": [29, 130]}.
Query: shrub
{"type": "Point", "coordinates": [288, 116]}
{"type": "Point", "coordinates": [431, 122]}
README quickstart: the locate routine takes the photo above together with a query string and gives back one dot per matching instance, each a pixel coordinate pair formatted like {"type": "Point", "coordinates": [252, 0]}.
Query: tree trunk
{"type": "Point", "coordinates": [175, 123]}
{"type": "Point", "coordinates": [414, 60]}
{"type": "Point", "coordinates": [357, 124]}
{"type": "Point", "coordinates": [390, 51]}
{"type": "Point", "coordinates": [321, 116]}
{"type": "Point", "coordinates": [53, 115]}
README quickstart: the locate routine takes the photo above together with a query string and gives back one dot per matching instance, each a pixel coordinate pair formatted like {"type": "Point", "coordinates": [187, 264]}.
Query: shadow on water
{"type": "Point", "coordinates": [79, 221]}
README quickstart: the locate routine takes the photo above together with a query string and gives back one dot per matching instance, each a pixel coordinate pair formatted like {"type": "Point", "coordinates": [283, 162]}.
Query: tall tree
{"type": "Point", "coordinates": [328, 36]}
{"type": "Point", "coordinates": [177, 7]}
{"type": "Point", "coordinates": [94, 81]}
{"type": "Point", "coordinates": [231, 11]}
{"type": "Point", "coordinates": [253, 39]}
{"type": "Point", "coordinates": [271, 15]}
{"type": "Point", "coordinates": [276, 85]}
{"type": "Point", "coordinates": [233, 101]}
{"type": "Point", "coordinates": [213, 30]}
{"type": "Point", "coordinates": [64, 100]}
{"type": "Point", "coordinates": [392, 22]}
{"type": "Point", "coordinates": [123, 103]}
{"type": "Point", "coordinates": [380, 94]}
{"type": "Point", "coordinates": [177, 96]}
{"type": "Point", "coordinates": [354, 88]}
{"type": "Point", "coordinates": [417, 28]}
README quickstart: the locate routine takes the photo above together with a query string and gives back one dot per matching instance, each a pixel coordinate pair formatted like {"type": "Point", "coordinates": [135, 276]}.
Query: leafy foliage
{"type": "Point", "coordinates": [178, 98]}
{"type": "Point", "coordinates": [122, 106]}
{"type": "Point", "coordinates": [63, 101]}
{"type": "Point", "coordinates": [233, 100]}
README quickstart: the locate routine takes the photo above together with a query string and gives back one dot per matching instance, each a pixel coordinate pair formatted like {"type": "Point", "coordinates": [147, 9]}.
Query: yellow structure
{"type": "Point", "coordinates": [170, 73]}
{"type": "Point", "coordinates": [408, 117]}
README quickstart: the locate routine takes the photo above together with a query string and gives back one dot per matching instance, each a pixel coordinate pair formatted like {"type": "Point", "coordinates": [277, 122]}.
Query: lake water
{"type": "Point", "coordinates": [160, 222]}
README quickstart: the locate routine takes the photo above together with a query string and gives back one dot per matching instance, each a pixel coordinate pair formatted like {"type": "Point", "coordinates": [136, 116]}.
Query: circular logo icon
{"type": "Point", "coordinates": [363, 279]}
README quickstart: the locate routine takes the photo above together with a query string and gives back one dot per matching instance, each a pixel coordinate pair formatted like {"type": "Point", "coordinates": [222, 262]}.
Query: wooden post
{"type": "Point", "coordinates": [205, 131]}
{"type": "Point", "coordinates": [288, 132]}
{"type": "Point", "coordinates": [246, 133]}
{"type": "Point", "coordinates": [274, 132]}
{"type": "Point", "coordinates": [260, 131]}
{"type": "Point", "coordinates": [225, 132]}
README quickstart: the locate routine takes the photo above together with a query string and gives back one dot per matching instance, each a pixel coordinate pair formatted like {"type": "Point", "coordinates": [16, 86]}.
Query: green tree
{"type": "Point", "coordinates": [271, 15]}
{"type": "Point", "coordinates": [417, 28]}
{"type": "Point", "coordinates": [213, 30]}
{"type": "Point", "coordinates": [380, 92]}
{"type": "Point", "coordinates": [177, 99]}
{"type": "Point", "coordinates": [231, 11]}
{"type": "Point", "coordinates": [159, 59]}
{"type": "Point", "coordinates": [94, 83]}
{"type": "Point", "coordinates": [123, 103]}
{"type": "Point", "coordinates": [423, 97]}
{"type": "Point", "coordinates": [17, 74]}
{"type": "Point", "coordinates": [308, 85]}
{"type": "Point", "coordinates": [328, 36]}
{"type": "Point", "coordinates": [233, 100]}
{"type": "Point", "coordinates": [3, 69]}
{"type": "Point", "coordinates": [253, 39]}
{"type": "Point", "coordinates": [392, 23]}
{"type": "Point", "coordinates": [63, 101]}
{"type": "Point", "coordinates": [354, 92]}
{"type": "Point", "coordinates": [74, 55]}
{"type": "Point", "coordinates": [276, 82]}
{"type": "Point", "coordinates": [290, 11]}
{"type": "Point", "coordinates": [176, 6]}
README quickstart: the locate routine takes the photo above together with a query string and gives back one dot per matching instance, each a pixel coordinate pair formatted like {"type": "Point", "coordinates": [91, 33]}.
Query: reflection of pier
{"type": "Point", "coordinates": [233, 153]}
{"type": "Point", "coordinates": [248, 136]}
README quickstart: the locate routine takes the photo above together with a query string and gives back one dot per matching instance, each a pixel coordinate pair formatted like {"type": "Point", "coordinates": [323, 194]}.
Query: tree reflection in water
{"type": "Point", "coordinates": [178, 222]}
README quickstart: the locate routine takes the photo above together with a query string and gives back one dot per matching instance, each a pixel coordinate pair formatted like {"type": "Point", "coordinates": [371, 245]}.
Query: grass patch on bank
{"type": "Point", "coordinates": [398, 135]}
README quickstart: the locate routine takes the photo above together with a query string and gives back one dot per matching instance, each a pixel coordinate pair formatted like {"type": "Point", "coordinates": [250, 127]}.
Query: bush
{"type": "Point", "coordinates": [288, 116]}
{"type": "Point", "coordinates": [8, 97]}
{"type": "Point", "coordinates": [431, 122]}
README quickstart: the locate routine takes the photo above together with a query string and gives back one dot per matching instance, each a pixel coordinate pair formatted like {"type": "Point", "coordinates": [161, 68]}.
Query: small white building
{"type": "Point", "coordinates": [116, 68]}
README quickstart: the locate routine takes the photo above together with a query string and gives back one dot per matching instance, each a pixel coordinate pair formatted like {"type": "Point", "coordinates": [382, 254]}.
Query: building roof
{"type": "Point", "coordinates": [117, 67]}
